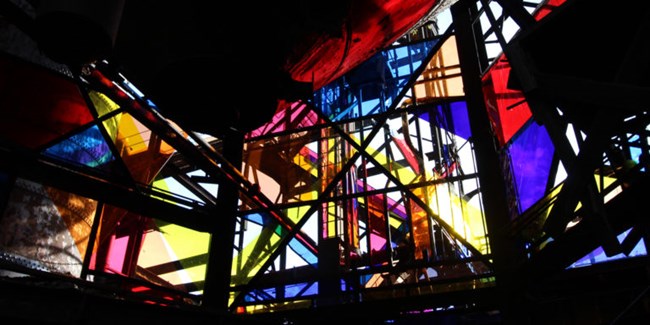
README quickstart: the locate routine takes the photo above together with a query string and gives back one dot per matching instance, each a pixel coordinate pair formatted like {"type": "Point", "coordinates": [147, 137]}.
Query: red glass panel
{"type": "Point", "coordinates": [37, 105]}
{"type": "Point", "coordinates": [507, 108]}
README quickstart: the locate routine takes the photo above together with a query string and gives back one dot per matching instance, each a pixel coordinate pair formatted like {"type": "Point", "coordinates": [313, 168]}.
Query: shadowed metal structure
{"type": "Point", "coordinates": [312, 162]}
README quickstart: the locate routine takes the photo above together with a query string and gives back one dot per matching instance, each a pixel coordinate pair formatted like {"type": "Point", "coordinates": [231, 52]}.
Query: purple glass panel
{"type": "Point", "coordinates": [451, 117]}
{"type": "Point", "coordinates": [460, 120]}
{"type": "Point", "coordinates": [531, 154]}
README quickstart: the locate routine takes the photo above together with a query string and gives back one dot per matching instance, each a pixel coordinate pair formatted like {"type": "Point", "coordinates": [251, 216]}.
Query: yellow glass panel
{"type": "Point", "coordinates": [311, 195]}
{"type": "Point", "coordinates": [104, 105]}
{"type": "Point", "coordinates": [132, 136]}
{"type": "Point", "coordinates": [331, 219]}
{"type": "Point", "coordinates": [395, 223]}
{"type": "Point", "coordinates": [297, 213]}
{"type": "Point", "coordinates": [143, 152]}
{"type": "Point", "coordinates": [175, 243]}
{"type": "Point", "coordinates": [254, 255]}
{"type": "Point", "coordinates": [304, 163]}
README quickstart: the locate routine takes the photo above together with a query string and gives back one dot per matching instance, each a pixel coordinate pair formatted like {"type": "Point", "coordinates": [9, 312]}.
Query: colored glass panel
{"type": "Point", "coordinates": [175, 256]}
{"type": "Point", "coordinates": [406, 151]}
{"type": "Point", "coordinates": [86, 148]}
{"type": "Point", "coordinates": [35, 119]}
{"type": "Point", "coordinates": [463, 216]}
{"type": "Point", "coordinates": [259, 244]}
{"type": "Point", "coordinates": [531, 155]}
{"type": "Point", "coordinates": [104, 106]}
{"type": "Point", "coordinates": [441, 77]}
{"type": "Point", "coordinates": [460, 120]}
{"type": "Point", "coordinates": [300, 289]}
{"type": "Point", "coordinates": [374, 25]}
{"type": "Point", "coordinates": [118, 239]}
{"type": "Point", "coordinates": [285, 167]}
{"type": "Point", "coordinates": [421, 225]}
{"type": "Point", "coordinates": [507, 108]}
{"type": "Point", "coordinates": [377, 229]}
{"type": "Point", "coordinates": [373, 86]}
{"type": "Point", "coordinates": [509, 113]}
{"type": "Point", "coordinates": [291, 117]}
{"type": "Point", "coordinates": [547, 7]}
{"type": "Point", "coordinates": [143, 152]}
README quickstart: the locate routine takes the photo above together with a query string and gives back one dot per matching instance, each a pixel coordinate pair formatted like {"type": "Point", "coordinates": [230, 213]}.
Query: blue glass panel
{"type": "Point", "coordinates": [461, 120]}
{"type": "Point", "coordinates": [452, 117]}
{"type": "Point", "coordinates": [404, 60]}
{"type": "Point", "coordinates": [87, 148]}
{"type": "Point", "coordinates": [290, 291]}
{"type": "Point", "coordinates": [531, 154]}
{"type": "Point", "coordinates": [303, 252]}
{"type": "Point", "coordinates": [270, 293]}
{"type": "Point", "coordinates": [260, 295]}
{"type": "Point", "coordinates": [300, 289]}
{"type": "Point", "coordinates": [255, 218]}
{"type": "Point", "coordinates": [373, 86]}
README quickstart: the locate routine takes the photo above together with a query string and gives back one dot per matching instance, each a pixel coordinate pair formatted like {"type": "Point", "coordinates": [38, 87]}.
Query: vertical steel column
{"type": "Point", "coordinates": [504, 251]}
{"type": "Point", "coordinates": [218, 274]}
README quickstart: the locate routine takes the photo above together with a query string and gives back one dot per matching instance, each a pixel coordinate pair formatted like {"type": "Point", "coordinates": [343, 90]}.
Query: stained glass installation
{"type": "Point", "coordinates": [367, 204]}
{"type": "Point", "coordinates": [360, 170]}
{"type": "Point", "coordinates": [510, 115]}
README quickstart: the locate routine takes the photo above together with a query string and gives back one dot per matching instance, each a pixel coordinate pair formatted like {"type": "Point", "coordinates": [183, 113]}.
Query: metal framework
{"type": "Point", "coordinates": [405, 188]}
